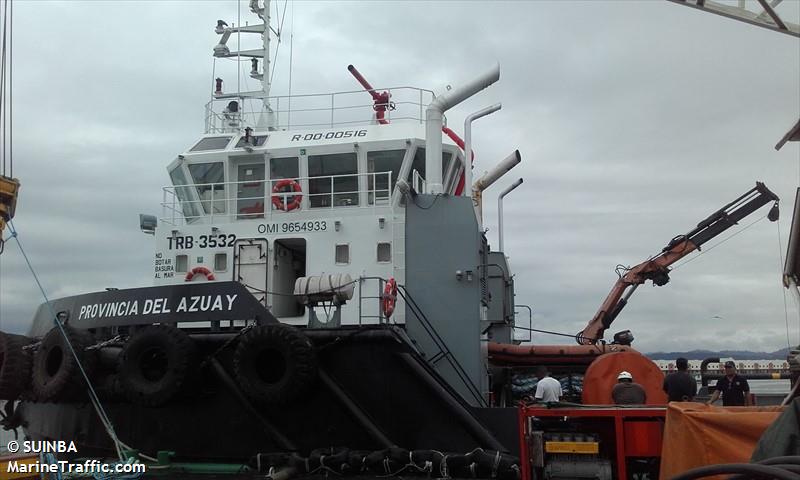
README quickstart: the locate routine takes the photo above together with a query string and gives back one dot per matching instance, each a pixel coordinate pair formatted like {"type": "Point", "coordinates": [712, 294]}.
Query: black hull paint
{"type": "Point", "coordinates": [381, 391]}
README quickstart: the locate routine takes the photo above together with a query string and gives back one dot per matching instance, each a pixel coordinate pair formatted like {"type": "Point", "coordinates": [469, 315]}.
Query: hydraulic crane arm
{"type": "Point", "coordinates": [657, 268]}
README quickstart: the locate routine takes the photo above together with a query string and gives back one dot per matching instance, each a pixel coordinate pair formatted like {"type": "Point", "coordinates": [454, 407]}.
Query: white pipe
{"type": "Point", "coordinates": [433, 124]}
{"type": "Point", "coordinates": [500, 211]}
{"type": "Point", "coordinates": [497, 171]}
{"type": "Point", "coordinates": [468, 142]}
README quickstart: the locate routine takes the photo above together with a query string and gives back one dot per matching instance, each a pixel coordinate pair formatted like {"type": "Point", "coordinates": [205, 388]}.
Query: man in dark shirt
{"type": "Point", "coordinates": [734, 388]}
{"type": "Point", "coordinates": [680, 386]}
{"type": "Point", "coordinates": [626, 392]}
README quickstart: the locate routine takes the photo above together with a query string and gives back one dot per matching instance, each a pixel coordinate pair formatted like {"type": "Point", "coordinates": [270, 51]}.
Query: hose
{"type": "Point", "coordinates": [748, 469]}
{"type": "Point", "coordinates": [789, 463]}
{"type": "Point", "coordinates": [791, 459]}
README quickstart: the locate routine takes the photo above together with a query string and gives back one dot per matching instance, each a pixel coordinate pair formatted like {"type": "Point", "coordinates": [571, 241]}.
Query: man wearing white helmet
{"type": "Point", "coordinates": [626, 392]}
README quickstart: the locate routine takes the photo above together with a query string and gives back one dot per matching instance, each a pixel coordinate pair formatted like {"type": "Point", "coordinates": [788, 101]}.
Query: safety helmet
{"type": "Point", "coordinates": [624, 375]}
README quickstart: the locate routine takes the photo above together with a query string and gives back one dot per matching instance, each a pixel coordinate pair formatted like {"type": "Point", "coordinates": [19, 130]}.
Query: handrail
{"type": "Point", "coordinates": [444, 351]}
{"type": "Point", "coordinates": [189, 202]}
{"type": "Point", "coordinates": [408, 103]}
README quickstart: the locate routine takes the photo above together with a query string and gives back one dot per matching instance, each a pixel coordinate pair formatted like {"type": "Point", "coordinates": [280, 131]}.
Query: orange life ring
{"type": "Point", "coordinates": [205, 271]}
{"type": "Point", "coordinates": [288, 205]}
{"type": "Point", "coordinates": [389, 297]}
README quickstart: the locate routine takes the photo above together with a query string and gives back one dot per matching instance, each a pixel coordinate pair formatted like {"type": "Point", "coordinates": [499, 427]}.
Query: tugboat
{"type": "Point", "coordinates": [321, 278]}
{"type": "Point", "coordinates": [326, 301]}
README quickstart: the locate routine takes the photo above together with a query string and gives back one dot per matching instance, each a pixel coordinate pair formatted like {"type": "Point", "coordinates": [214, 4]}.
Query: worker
{"type": "Point", "coordinates": [548, 389]}
{"type": "Point", "coordinates": [680, 386]}
{"type": "Point", "coordinates": [626, 392]}
{"type": "Point", "coordinates": [733, 387]}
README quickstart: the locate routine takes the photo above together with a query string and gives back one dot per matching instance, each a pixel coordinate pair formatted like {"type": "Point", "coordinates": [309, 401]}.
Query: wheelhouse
{"type": "Point", "coordinates": [244, 177]}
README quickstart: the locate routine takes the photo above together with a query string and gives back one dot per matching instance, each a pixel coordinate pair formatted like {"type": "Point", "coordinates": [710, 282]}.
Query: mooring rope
{"type": "Point", "coordinates": [101, 413]}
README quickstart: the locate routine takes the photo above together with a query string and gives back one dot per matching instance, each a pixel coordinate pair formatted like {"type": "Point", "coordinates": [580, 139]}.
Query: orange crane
{"type": "Point", "coordinates": [656, 269]}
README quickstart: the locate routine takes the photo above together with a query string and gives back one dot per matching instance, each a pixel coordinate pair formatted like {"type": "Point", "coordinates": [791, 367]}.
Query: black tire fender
{"type": "Point", "coordinates": [274, 364]}
{"type": "Point", "coordinates": [156, 364]}
{"type": "Point", "coordinates": [56, 373]}
{"type": "Point", "coordinates": [15, 365]}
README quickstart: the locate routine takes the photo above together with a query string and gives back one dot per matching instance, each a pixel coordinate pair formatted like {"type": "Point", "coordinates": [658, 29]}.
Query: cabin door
{"type": "Point", "coordinates": [250, 266]}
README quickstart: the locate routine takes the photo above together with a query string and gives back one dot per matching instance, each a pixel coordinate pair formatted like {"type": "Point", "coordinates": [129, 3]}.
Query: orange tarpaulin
{"type": "Point", "coordinates": [696, 434]}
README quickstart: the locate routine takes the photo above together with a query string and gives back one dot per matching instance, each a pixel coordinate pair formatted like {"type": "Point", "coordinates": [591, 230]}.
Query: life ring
{"type": "Point", "coordinates": [278, 200]}
{"type": "Point", "coordinates": [156, 364]}
{"type": "Point", "coordinates": [205, 271]}
{"type": "Point", "coordinates": [274, 364]}
{"type": "Point", "coordinates": [56, 373]}
{"type": "Point", "coordinates": [15, 365]}
{"type": "Point", "coordinates": [389, 299]}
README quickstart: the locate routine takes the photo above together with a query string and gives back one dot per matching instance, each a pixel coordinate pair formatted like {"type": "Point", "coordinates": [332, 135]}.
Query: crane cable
{"type": "Point", "coordinates": [9, 186]}
{"type": "Point", "coordinates": [6, 71]}
{"type": "Point", "coordinates": [701, 253]}
{"type": "Point", "coordinates": [5, 87]}
{"type": "Point", "coordinates": [783, 290]}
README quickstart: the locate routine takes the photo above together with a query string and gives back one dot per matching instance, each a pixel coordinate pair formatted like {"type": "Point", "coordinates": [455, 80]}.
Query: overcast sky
{"type": "Point", "coordinates": [635, 120]}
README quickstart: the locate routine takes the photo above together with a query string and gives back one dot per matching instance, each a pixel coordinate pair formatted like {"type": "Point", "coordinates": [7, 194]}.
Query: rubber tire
{"type": "Point", "coordinates": [62, 382]}
{"type": "Point", "coordinates": [293, 369]}
{"type": "Point", "coordinates": [177, 350]}
{"type": "Point", "coordinates": [15, 365]}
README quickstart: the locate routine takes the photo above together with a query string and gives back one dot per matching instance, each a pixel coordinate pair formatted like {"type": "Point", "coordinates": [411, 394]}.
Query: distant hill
{"type": "Point", "coordinates": [737, 354]}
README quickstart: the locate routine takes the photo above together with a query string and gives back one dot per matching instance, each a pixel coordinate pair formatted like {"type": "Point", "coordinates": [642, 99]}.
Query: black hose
{"type": "Point", "coordinates": [738, 468]}
{"type": "Point", "coordinates": [787, 460]}
{"type": "Point", "coordinates": [789, 463]}
{"type": "Point", "coordinates": [786, 467]}
{"type": "Point", "coordinates": [704, 369]}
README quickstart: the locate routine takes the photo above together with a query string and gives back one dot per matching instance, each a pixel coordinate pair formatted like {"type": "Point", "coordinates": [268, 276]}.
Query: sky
{"type": "Point", "coordinates": [635, 120]}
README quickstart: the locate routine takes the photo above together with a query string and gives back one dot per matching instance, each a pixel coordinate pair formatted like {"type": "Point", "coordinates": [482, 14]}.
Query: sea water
{"type": "Point", "coordinates": [775, 387]}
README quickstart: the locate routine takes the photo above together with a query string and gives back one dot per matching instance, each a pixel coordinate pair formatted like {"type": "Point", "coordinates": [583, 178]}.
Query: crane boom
{"type": "Point", "coordinates": [657, 269]}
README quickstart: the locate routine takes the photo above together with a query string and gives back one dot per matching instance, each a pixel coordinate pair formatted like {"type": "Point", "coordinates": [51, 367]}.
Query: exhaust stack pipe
{"type": "Point", "coordinates": [490, 177]}
{"type": "Point", "coordinates": [500, 212]}
{"type": "Point", "coordinates": [433, 124]}
{"type": "Point", "coordinates": [468, 141]}
{"type": "Point", "coordinates": [497, 171]}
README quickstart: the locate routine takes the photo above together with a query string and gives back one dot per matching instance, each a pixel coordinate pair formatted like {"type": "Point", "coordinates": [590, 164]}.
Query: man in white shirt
{"type": "Point", "coordinates": [548, 389]}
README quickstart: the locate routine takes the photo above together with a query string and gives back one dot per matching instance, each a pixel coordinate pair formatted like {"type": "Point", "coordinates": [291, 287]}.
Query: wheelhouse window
{"type": "Point", "coordinates": [333, 180]}
{"type": "Point", "coordinates": [381, 165]}
{"type": "Point", "coordinates": [211, 143]}
{"type": "Point", "coordinates": [190, 208]}
{"type": "Point", "coordinates": [255, 141]}
{"type": "Point", "coordinates": [284, 167]}
{"type": "Point", "coordinates": [209, 179]}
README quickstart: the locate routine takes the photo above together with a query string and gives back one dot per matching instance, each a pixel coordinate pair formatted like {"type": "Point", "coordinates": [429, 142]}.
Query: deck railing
{"type": "Point", "coordinates": [339, 109]}
{"type": "Point", "coordinates": [258, 199]}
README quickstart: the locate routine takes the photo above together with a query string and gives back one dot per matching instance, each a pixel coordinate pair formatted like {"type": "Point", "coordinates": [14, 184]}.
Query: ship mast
{"type": "Point", "coordinates": [266, 119]}
{"type": "Point", "coordinates": [264, 14]}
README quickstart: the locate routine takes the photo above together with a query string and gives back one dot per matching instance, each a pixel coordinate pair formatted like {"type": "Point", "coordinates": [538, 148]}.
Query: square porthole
{"type": "Point", "coordinates": [384, 252]}
{"type": "Point", "coordinates": [220, 262]}
{"type": "Point", "coordinates": [181, 263]}
{"type": "Point", "coordinates": [342, 254]}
